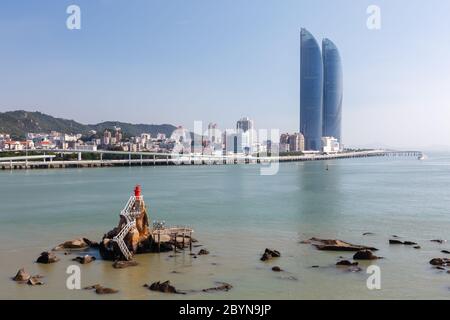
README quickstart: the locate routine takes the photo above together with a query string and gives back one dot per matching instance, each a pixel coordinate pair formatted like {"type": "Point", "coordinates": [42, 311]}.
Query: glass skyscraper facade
{"type": "Point", "coordinates": [321, 91]}
{"type": "Point", "coordinates": [311, 91]}
{"type": "Point", "coordinates": [332, 90]}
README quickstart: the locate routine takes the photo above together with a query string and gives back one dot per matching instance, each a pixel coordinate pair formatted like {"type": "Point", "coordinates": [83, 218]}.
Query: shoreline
{"type": "Point", "coordinates": [47, 162]}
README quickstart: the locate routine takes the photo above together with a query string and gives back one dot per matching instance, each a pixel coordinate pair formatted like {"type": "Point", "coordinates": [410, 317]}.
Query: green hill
{"type": "Point", "coordinates": [19, 123]}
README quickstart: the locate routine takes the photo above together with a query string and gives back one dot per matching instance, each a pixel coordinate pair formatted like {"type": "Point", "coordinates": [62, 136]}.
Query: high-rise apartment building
{"type": "Point", "coordinates": [296, 142]}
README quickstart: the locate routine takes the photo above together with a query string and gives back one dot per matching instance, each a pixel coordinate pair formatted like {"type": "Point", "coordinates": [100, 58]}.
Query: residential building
{"type": "Point", "coordinates": [107, 137]}
{"type": "Point", "coordinates": [214, 134]}
{"type": "Point", "coordinates": [284, 143]}
{"type": "Point", "coordinates": [244, 124]}
{"type": "Point", "coordinates": [296, 142]}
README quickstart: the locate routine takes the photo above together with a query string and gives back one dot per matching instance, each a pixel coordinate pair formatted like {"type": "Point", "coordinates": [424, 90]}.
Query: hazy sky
{"type": "Point", "coordinates": [176, 61]}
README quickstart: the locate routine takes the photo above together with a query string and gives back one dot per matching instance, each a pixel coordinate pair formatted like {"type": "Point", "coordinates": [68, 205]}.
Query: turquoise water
{"type": "Point", "coordinates": [236, 214]}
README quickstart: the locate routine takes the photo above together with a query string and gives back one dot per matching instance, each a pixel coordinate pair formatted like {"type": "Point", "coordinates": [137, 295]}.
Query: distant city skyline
{"type": "Point", "coordinates": [157, 62]}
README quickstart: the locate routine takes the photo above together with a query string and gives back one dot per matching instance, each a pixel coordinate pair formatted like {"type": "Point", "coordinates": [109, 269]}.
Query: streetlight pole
{"type": "Point", "coordinates": [26, 154]}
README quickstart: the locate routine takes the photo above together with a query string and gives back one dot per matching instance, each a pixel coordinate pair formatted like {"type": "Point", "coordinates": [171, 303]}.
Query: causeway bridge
{"type": "Point", "coordinates": [45, 159]}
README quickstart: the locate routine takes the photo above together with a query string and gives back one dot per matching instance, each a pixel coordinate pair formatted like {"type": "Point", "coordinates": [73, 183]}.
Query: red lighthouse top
{"type": "Point", "coordinates": [137, 191]}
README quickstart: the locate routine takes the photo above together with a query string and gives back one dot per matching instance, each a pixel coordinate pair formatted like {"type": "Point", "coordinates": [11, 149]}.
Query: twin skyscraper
{"type": "Point", "coordinates": [321, 91]}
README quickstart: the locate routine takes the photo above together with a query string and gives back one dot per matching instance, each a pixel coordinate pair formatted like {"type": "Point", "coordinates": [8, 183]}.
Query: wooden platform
{"type": "Point", "coordinates": [179, 236]}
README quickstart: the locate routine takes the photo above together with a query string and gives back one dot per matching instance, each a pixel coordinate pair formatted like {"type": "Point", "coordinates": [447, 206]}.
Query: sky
{"type": "Point", "coordinates": [180, 61]}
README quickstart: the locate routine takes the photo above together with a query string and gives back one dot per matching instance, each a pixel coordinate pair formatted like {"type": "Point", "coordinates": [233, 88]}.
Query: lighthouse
{"type": "Point", "coordinates": [134, 235]}
{"type": "Point", "coordinates": [134, 209]}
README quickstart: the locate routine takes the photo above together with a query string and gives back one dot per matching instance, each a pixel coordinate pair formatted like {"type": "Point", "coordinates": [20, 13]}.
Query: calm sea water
{"type": "Point", "coordinates": [236, 214]}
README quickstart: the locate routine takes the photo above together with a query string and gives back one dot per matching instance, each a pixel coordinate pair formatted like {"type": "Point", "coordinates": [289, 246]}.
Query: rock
{"type": "Point", "coordinates": [395, 242]}
{"type": "Point", "coordinates": [165, 287]}
{"type": "Point", "coordinates": [364, 255]}
{"type": "Point", "coordinates": [222, 287]}
{"type": "Point", "coordinates": [269, 254]}
{"type": "Point", "coordinates": [440, 268]}
{"type": "Point", "coordinates": [417, 247]}
{"type": "Point", "coordinates": [406, 243]}
{"type": "Point", "coordinates": [124, 264]}
{"type": "Point", "coordinates": [47, 257]}
{"type": "Point", "coordinates": [91, 287]}
{"type": "Point", "coordinates": [203, 252]}
{"type": "Point", "coordinates": [74, 244]}
{"type": "Point", "coordinates": [138, 239]}
{"type": "Point", "coordinates": [109, 250]}
{"type": "Point", "coordinates": [101, 290]}
{"type": "Point", "coordinates": [85, 259]}
{"type": "Point", "coordinates": [346, 263]}
{"type": "Point", "coordinates": [337, 245]}
{"type": "Point", "coordinates": [273, 253]}
{"type": "Point", "coordinates": [265, 257]}
{"type": "Point", "coordinates": [91, 244]}
{"type": "Point", "coordinates": [21, 276]}
{"type": "Point", "coordinates": [440, 262]}
{"type": "Point", "coordinates": [445, 251]}
{"type": "Point", "coordinates": [34, 281]}
{"type": "Point", "coordinates": [276, 269]}
{"type": "Point", "coordinates": [164, 247]}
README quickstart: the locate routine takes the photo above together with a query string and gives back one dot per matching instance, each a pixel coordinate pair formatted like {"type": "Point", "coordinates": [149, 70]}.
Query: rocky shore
{"type": "Point", "coordinates": [132, 236]}
{"type": "Point", "coordinates": [90, 249]}
{"type": "Point", "coordinates": [141, 240]}
{"type": "Point", "coordinates": [365, 253]}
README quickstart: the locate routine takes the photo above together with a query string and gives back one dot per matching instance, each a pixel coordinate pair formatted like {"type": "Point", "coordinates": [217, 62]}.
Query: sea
{"type": "Point", "coordinates": [236, 213]}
